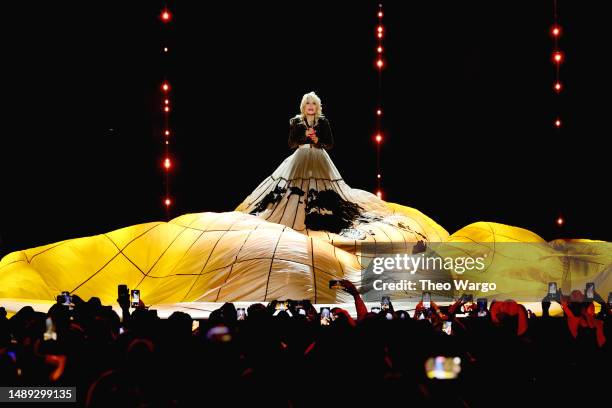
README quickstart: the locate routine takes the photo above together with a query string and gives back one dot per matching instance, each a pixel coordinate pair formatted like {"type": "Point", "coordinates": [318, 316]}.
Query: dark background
{"type": "Point", "coordinates": [467, 97]}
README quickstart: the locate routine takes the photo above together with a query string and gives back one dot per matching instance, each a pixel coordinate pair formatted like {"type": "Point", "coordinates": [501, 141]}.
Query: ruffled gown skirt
{"type": "Point", "coordinates": [307, 193]}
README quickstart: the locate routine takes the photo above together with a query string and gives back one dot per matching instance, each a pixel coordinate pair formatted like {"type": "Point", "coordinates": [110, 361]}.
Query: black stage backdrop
{"type": "Point", "coordinates": [468, 109]}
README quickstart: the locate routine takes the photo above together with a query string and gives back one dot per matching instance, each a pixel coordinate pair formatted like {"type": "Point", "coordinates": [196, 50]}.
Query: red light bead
{"type": "Point", "coordinates": [165, 16]}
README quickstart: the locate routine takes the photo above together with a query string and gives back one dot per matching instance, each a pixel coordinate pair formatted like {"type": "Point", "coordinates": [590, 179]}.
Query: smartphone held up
{"type": "Point", "coordinates": [385, 303]}
{"type": "Point", "coordinates": [589, 291]}
{"type": "Point", "coordinates": [135, 298]}
{"type": "Point", "coordinates": [325, 316]}
{"type": "Point", "coordinates": [426, 299]}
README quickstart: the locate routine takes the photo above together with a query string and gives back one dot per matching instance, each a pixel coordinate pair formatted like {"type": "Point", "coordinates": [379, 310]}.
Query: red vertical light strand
{"type": "Point", "coordinates": [380, 64]}
{"type": "Point", "coordinates": [558, 58]}
{"type": "Point", "coordinates": [166, 17]}
{"type": "Point", "coordinates": [165, 107]}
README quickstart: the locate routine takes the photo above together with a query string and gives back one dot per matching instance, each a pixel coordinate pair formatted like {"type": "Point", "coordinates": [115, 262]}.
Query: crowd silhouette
{"type": "Point", "coordinates": [288, 354]}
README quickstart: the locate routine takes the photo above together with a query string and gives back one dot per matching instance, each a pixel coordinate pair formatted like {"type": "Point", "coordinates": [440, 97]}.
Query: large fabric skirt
{"type": "Point", "coordinates": [308, 194]}
{"type": "Point", "coordinates": [288, 196]}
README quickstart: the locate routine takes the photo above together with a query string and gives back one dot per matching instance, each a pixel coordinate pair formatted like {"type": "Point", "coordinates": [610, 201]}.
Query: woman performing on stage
{"type": "Point", "coordinates": [307, 193]}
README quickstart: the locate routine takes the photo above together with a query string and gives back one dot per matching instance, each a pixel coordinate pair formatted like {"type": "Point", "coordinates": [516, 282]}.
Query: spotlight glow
{"type": "Point", "coordinates": [378, 112]}
{"type": "Point", "coordinates": [167, 133]}
{"type": "Point", "coordinates": [378, 138]}
{"type": "Point", "coordinates": [558, 57]}
{"type": "Point", "coordinates": [558, 86]}
{"type": "Point", "coordinates": [379, 194]}
{"type": "Point", "coordinates": [560, 221]}
{"type": "Point", "coordinates": [167, 202]}
{"type": "Point", "coordinates": [379, 63]}
{"type": "Point", "coordinates": [166, 109]}
{"type": "Point", "coordinates": [379, 35]}
{"type": "Point", "coordinates": [165, 87]}
{"type": "Point", "coordinates": [167, 163]}
{"type": "Point", "coordinates": [167, 101]}
{"type": "Point", "coordinates": [380, 14]}
{"type": "Point", "coordinates": [555, 31]}
{"type": "Point", "coordinates": [558, 123]}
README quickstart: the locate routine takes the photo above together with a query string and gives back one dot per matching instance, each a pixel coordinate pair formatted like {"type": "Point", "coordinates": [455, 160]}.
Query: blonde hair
{"type": "Point", "coordinates": [311, 97]}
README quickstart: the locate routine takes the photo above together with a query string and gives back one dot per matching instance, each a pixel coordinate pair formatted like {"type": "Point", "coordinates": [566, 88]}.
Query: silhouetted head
{"type": "Point", "coordinates": [180, 324]}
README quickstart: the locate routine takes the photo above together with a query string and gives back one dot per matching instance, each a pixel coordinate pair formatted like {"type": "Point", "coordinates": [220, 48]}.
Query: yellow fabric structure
{"type": "Point", "coordinates": [521, 263]}
{"type": "Point", "coordinates": [232, 256]}
{"type": "Point", "coordinates": [196, 257]}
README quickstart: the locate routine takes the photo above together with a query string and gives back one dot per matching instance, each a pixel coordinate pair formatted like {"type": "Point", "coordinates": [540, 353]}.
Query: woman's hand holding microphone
{"type": "Point", "coordinates": [312, 135]}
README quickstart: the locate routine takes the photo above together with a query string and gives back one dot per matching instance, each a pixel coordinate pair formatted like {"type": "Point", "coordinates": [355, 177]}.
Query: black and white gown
{"type": "Point", "coordinates": [308, 194]}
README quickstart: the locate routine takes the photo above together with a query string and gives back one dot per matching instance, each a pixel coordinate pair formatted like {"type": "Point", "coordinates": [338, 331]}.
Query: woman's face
{"type": "Point", "coordinates": [311, 107]}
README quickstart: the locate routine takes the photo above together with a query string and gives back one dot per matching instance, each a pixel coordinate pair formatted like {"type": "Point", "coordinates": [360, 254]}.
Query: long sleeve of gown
{"type": "Point", "coordinates": [295, 138]}
{"type": "Point", "coordinates": [324, 133]}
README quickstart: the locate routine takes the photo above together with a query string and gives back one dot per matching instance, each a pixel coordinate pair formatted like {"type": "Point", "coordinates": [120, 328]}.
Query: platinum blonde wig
{"type": "Point", "coordinates": [311, 97]}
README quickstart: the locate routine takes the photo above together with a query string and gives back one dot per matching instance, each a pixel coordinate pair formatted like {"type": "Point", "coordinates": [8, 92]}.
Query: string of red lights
{"type": "Point", "coordinates": [380, 63]}
{"type": "Point", "coordinates": [558, 58]}
{"type": "Point", "coordinates": [166, 18]}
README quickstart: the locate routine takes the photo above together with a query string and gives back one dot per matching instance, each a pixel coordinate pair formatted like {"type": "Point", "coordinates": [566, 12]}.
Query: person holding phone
{"type": "Point", "coordinates": [553, 291]}
{"type": "Point", "coordinates": [427, 309]}
{"type": "Point", "coordinates": [347, 286]}
{"type": "Point", "coordinates": [580, 315]}
{"type": "Point", "coordinates": [457, 307]}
